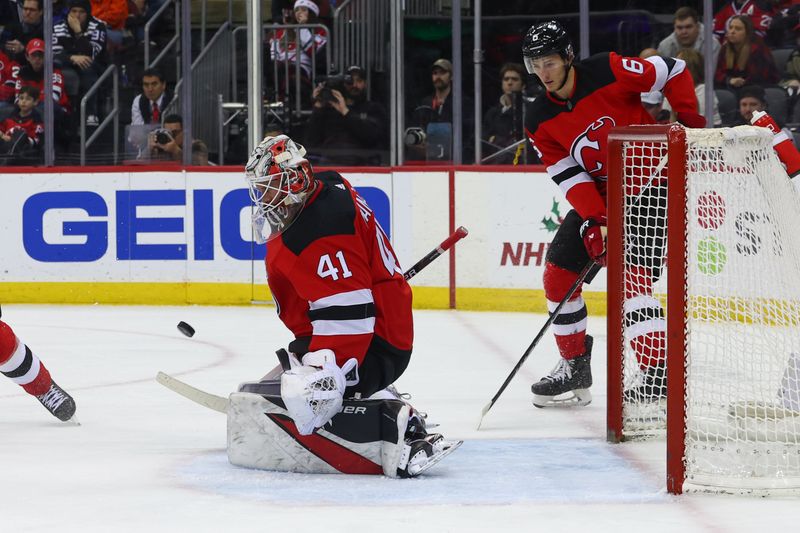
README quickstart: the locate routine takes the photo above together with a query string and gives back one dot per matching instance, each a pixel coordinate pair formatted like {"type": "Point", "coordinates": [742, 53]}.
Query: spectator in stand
{"type": "Point", "coordinates": [503, 122]}
{"type": "Point", "coordinates": [21, 133]}
{"type": "Point", "coordinates": [687, 33]}
{"type": "Point", "coordinates": [345, 128]}
{"type": "Point", "coordinates": [751, 99]}
{"type": "Point", "coordinates": [31, 74]}
{"type": "Point", "coordinates": [760, 12]}
{"type": "Point", "coordinates": [148, 106]}
{"type": "Point", "coordinates": [166, 143]}
{"type": "Point", "coordinates": [79, 48]}
{"type": "Point", "coordinates": [791, 79]}
{"type": "Point", "coordinates": [200, 153]}
{"type": "Point", "coordinates": [743, 58]}
{"type": "Point", "coordinates": [114, 13]}
{"type": "Point", "coordinates": [282, 10]}
{"type": "Point", "coordinates": [7, 70]}
{"type": "Point", "coordinates": [16, 35]}
{"type": "Point", "coordinates": [436, 109]}
{"type": "Point", "coordinates": [60, 11]}
{"type": "Point", "coordinates": [285, 45]}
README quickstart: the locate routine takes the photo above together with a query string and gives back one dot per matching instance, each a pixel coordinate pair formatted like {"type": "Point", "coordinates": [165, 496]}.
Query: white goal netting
{"type": "Point", "coordinates": [742, 319]}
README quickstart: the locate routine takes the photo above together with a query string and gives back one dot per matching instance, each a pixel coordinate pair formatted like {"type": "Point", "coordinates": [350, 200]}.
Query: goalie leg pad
{"type": "Point", "coordinates": [366, 437]}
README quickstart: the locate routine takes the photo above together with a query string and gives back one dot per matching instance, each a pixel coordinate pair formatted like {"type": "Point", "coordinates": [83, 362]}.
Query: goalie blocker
{"type": "Point", "coordinates": [367, 437]}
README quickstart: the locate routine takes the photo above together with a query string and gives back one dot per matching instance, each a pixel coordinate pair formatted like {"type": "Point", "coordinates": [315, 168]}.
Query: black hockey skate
{"type": "Point", "coordinates": [58, 402]}
{"type": "Point", "coordinates": [572, 376]}
{"type": "Point", "coordinates": [421, 454]}
{"type": "Point", "coordinates": [652, 389]}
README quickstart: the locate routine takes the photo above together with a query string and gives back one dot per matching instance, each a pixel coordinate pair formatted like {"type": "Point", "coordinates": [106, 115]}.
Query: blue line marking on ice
{"type": "Point", "coordinates": [480, 472]}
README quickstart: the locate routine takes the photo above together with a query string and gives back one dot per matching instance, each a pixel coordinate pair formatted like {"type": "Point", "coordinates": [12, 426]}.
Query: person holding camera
{"type": "Point", "coordinates": [166, 143]}
{"type": "Point", "coordinates": [345, 128]}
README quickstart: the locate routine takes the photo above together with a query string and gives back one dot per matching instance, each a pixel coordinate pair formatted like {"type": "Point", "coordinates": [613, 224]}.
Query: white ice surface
{"type": "Point", "coordinates": [145, 459]}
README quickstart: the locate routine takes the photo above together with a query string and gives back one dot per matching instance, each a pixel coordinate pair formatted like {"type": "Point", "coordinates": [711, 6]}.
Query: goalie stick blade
{"type": "Point", "coordinates": [206, 399]}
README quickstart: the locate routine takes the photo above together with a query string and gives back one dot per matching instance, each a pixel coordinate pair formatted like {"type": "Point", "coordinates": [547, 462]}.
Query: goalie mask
{"type": "Point", "coordinates": [280, 181]}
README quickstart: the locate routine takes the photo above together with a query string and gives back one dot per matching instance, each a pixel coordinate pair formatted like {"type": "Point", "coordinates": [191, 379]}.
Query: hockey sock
{"type": "Point", "coordinates": [644, 319]}
{"type": "Point", "coordinates": [20, 365]}
{"type": "Point", "coordinates": [570, 325]}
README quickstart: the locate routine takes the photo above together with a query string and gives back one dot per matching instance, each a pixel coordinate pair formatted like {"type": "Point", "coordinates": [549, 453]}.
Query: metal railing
{"type": "Point", "coordinates": [173, 42]}
{"type": "Point", "coordinates": [287, 89]}
{"type": "Point", "coordinates": [211, 74]}
{"type": "Point", "coordinates": [361, 28]}
{"type": "Point", "coordinates": [111, 72]}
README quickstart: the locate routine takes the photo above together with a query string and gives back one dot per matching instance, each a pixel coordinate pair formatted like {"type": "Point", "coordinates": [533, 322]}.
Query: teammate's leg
{"type": "Point", "coordinates": [565, 258]}
{"type": "Point", "coordinates": [21, 365]}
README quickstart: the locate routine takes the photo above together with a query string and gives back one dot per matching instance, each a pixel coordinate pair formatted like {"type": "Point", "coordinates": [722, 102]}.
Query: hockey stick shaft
{"type": "Point", "coordinates": [538, 337]}
{"type": "Point", "coordinates": [446, 244]}
{"type": "Point", "coordinates": [206, 399]}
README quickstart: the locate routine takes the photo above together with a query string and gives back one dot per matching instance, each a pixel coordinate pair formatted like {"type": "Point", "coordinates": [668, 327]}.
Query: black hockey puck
{"type": "Point", "coordinates": [186, 329]}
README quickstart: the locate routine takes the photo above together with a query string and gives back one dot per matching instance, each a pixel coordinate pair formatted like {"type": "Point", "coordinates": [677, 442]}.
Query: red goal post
{"type": "Point", "coordinates": [721, 277]}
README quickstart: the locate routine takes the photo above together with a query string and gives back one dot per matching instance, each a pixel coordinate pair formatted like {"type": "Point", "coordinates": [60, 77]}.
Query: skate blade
{"type": "Point", "coordinates": [575, 398]}
{"type": "Point", "coordinates": [438, 457]}
{"type": "Point", "coordinates": [72, 421]}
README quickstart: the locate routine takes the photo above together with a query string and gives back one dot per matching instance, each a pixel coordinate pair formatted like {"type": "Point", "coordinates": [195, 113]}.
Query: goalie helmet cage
{"type": "Point", "coordinates": [723, 275]}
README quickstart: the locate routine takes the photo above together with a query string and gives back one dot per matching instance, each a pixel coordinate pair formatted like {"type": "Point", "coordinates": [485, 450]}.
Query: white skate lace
{"type": "Point", "coordinates": [53, 398]}
{"type": "Point", "coordinates": [561, 372]}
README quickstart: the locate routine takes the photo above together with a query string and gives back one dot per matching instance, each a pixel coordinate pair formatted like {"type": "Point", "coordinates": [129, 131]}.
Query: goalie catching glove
{"type": "Point", "coordinates": [313, 391]}
{"type": "Point", "coordinates": [593, 232]}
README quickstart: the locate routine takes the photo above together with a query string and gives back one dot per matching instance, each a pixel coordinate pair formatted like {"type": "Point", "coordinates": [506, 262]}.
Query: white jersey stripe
{"type": "Point", "coordinates": [360, 296]}
{"type": "Point", "coordinates": [662, 73]}
{"type": "Point", "coordinates": [561, 166]}
{"type": "Point", "coordinates": [360, 326]}
{"type": "Point", "coordinates": [572, 306]}
{"type": "Point", "coordinates": [566, 185]}
{"type": "Point", "coordinates": [570, 329]}
{"type": "Point", "coordinates": [643, 328]}
{"type": "Point", "coordinates": [640, 302]}
{"type": "Point", "coordinates": [30, 375]}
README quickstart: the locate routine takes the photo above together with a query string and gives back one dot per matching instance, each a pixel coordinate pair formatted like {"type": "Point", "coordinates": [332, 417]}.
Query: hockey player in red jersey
{"type": "Point", "coordinates": [339, 289]}
{"type": "Point", "coordinates": [22, 367]}
{"type": "Point", "coordinates": [568, 128]}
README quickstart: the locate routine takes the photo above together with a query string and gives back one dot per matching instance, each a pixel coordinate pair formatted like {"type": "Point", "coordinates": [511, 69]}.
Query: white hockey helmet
{"type": "Point", "coordinates": [280, 181]}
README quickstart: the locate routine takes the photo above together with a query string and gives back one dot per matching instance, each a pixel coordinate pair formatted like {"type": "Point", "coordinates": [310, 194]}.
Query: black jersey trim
{"type": "Point", "coordinates": [564, 175]}
{"type": "Point", "coordinates": [343, 312]}
{"type": "Point", "coordinates": [571, 318]}
{"type": "Point", "coordinates": [331, 213]}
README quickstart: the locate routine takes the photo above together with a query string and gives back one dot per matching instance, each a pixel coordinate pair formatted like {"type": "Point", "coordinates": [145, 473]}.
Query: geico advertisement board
{"type": "Point", "coordinates": [140, 226]}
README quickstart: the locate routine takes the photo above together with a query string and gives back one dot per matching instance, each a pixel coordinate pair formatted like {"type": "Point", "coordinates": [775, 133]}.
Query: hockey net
{"type": "Point", "coordinates": [716, 295]}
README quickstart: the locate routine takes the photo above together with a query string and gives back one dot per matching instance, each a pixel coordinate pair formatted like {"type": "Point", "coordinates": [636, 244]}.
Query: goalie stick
{"type": "Point", "coordinates": [220, 404]}
{"type": "Point", "coordinates": [538, 337]}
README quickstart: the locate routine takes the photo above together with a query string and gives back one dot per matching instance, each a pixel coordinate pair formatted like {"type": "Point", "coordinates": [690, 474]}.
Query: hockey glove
{"type": "Point", "coordinates": [691, 119]}
{"type": "Point", "coordinates": [781, 142]}
{"type": "Point", "coordinates": [593, 232]}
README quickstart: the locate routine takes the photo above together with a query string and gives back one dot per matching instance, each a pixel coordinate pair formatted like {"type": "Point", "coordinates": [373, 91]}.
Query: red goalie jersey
{"type": "Point", "coordinates": [335, 277]}
{"type": "Point", "coordinates": [571, 136]}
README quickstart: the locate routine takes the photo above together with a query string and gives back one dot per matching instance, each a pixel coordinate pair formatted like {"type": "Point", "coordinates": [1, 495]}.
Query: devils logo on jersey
{"type": "Point", "coordinates": [586, 149]}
